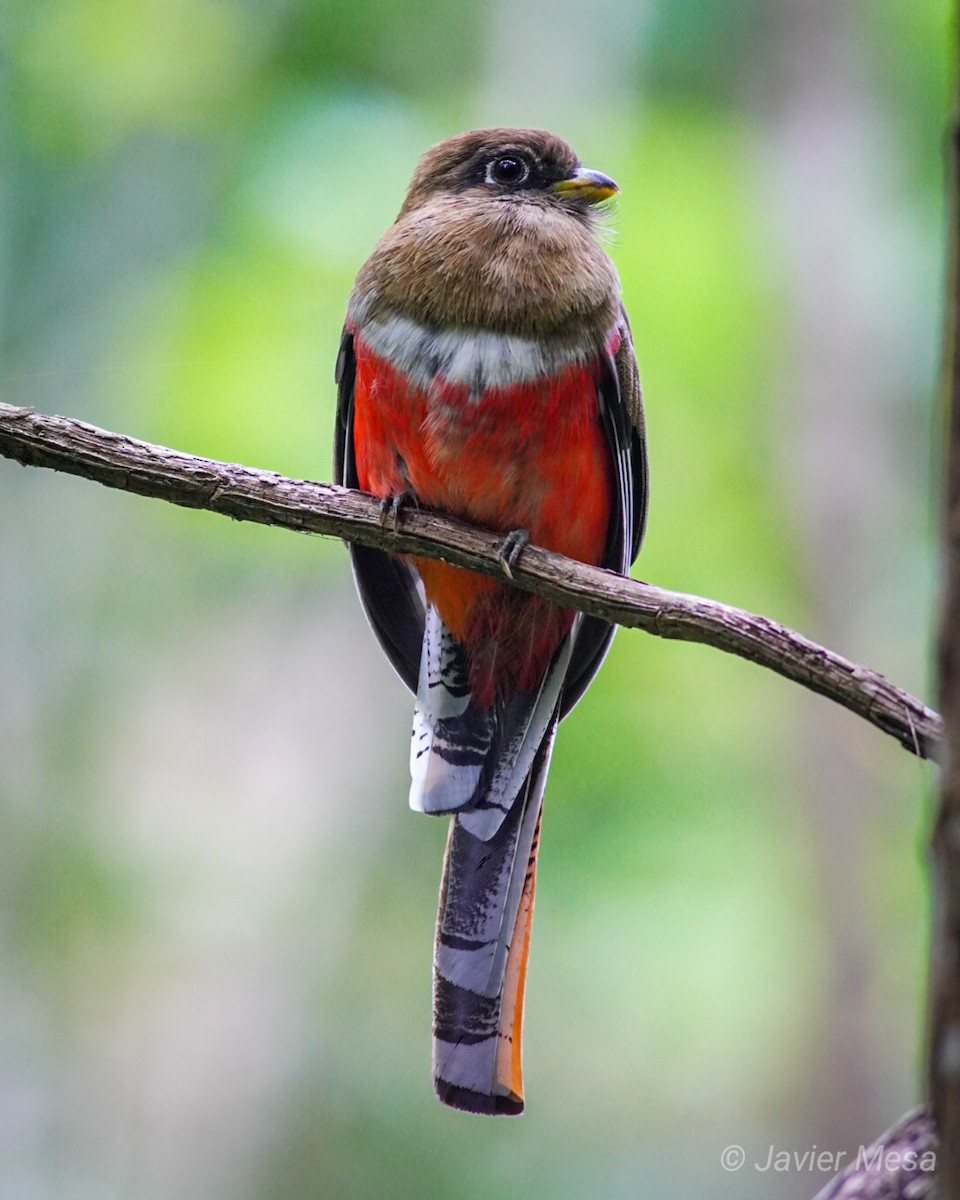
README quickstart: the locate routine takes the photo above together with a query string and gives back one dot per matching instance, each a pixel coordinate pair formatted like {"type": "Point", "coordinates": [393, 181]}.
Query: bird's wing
{"type": "Point", "coordinates": [621, 409]}
{"type": "Point", "coordinates": [388, 586]}
{"type": "Point", "coordinates": [631, 400]}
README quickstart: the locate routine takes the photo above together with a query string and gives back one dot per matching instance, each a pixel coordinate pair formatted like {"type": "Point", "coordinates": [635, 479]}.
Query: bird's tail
{"type": "Point", "coordinates": [480, 960]}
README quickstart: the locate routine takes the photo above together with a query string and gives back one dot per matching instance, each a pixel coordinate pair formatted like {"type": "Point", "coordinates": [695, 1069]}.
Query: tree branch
{"type": "Point", "coordinates": [271, 499]}
{"type": "Point", "coordinates": [899, 1165]}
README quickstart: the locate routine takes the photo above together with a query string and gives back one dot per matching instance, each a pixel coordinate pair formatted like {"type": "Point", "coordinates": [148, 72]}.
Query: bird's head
{"type": "Point", "coordinates": [525, 166]}
{"type": "Point", "coordinates": [497, 233]}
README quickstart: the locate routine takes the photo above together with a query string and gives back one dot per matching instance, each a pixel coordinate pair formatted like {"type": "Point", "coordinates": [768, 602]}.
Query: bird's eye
{"type": "Point", "coordinates": [509, 169]}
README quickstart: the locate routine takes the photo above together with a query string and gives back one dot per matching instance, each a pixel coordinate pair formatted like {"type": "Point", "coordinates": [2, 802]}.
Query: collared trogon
{"type": "Point", "coordinates": [487, 371]}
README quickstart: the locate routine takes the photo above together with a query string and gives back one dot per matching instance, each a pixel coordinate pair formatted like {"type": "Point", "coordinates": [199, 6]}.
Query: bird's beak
{"type": "Point", "coordinates": [589, 187]}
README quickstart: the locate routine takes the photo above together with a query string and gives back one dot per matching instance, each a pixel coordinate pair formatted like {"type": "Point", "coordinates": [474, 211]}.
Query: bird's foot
{"type": "Point", "coordinates": [392, 506]}
{"type": "Point", "coordinates": [510, 549]}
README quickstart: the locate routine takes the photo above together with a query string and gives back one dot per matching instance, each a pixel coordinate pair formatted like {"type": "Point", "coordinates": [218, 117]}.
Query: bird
{"type": "Point", "coordinates": [487, 371]}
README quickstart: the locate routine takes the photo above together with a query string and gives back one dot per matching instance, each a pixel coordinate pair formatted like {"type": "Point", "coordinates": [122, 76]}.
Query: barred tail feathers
{"type": "Point", "coordinates": [452, 736]}
{"type": "Point", "coordinates": [468, 759]}
{"type": "Point", "coordinates": [480, 963]}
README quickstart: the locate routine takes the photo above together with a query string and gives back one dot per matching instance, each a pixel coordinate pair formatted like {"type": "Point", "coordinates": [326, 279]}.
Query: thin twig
{"type": "Point", "coordinates": [271, 499]}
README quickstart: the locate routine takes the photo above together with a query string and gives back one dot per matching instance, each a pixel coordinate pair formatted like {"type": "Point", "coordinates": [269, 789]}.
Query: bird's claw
{"type": "Point", "coordinates": [392, 506]}
{"type": "Point", "coordinates": [510, 549]}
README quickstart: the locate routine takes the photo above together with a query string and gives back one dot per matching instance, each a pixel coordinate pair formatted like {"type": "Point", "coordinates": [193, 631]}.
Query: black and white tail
{"type": "Point", "coordinates": [487, 768]}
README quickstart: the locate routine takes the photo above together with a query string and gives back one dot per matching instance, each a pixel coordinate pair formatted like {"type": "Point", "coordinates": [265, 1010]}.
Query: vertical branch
{"type": "Point", "coordinates": [945, 952]}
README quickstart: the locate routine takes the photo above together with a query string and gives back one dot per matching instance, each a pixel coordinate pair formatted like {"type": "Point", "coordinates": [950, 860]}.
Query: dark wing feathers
{"type": "Point", "coordinates": [621, 409]}
{"type": "Point", "coordinates": [344, 375]}
{"type": "Point", "coordinates": [387, 585]}
{"type": "Point", "coordinates": [631, 398]}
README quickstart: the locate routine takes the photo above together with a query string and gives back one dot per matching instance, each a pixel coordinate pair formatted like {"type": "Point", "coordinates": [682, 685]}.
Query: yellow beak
{"type": "Point", "coordinates": [590, 187]}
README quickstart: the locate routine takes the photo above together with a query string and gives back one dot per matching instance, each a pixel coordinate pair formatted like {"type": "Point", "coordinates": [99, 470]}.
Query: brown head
{"type": "Point", "coordinates": [497, 232]}
{"type": "Point", "coordinates": [514, 166]}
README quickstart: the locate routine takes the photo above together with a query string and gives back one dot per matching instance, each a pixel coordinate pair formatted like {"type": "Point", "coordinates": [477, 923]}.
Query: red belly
{"type": "Point", "coordinates": [532, 456]}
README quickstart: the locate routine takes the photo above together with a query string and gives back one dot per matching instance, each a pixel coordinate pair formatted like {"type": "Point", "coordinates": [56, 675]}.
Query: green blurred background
{"type": "Point", "coordinates": [216, 911]}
